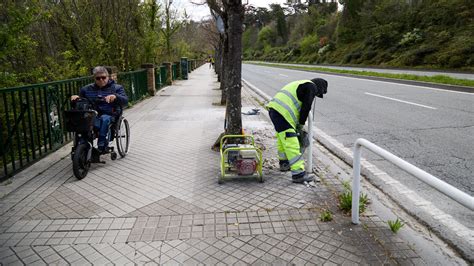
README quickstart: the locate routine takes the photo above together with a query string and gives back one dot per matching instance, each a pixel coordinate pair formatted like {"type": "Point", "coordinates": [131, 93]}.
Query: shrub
{"type": "Point", "coordinates": [309, 44]}
{"type": "Point", "coordinates": [323, 41]}
{"type": "Point", "coordinates": [369, 55]}
{"type": "Point", "coordinates": [324, 49]}
{"type": "Point", "coordinates": [411, 37]}
{"type": "Point", "coordinates": [416, 56]}
{"type": "Point", "coordinates": [456, 61]}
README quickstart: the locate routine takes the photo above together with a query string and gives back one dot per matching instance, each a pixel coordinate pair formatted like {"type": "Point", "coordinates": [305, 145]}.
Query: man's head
{"type": "Point", "coordinates": [321, 85]}
{"type": "Point", "coordinates": [101, 76]}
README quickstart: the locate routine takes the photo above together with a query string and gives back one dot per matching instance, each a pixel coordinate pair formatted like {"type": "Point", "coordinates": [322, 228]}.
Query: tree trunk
{"type": "Point", "coordinates": [225, 68]}
{"type": "Point", "coordinates": [218, 60]}
{"type": "Point", "coordinates": [235, 13]}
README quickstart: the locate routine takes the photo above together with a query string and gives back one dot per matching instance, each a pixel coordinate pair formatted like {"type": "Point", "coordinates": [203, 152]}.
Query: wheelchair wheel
{"type": "Point", "coordinates": [123, 137]}
{"type": "Point", "coordinates": [80, 163]}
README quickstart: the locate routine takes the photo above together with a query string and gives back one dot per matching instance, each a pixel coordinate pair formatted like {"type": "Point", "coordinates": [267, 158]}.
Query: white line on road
{"type": "Point", "coordinates": [283, 75]}
{"type": "Point", "coordinates": [399, 84]}
{"type": "Point", "coordinates": [393, 99]}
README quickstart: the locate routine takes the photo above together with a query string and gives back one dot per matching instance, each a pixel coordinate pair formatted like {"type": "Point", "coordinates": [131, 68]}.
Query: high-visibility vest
{"type": "Point", "coordinates": [287, 104]}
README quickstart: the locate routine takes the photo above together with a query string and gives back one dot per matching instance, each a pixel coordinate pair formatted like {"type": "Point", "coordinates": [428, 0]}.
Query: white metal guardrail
{"type": "Point", "coordinates": [445, 188]}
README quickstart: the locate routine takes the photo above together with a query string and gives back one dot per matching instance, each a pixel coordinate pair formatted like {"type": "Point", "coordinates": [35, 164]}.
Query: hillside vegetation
{"type": "Point", "coordinates": [436, 34]}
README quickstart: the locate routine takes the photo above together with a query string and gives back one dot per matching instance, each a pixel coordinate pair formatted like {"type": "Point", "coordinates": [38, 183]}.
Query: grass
{"type": "Point", "coordinates": [326, 216]}
{"type": "Point", "coordinates": [395, 225]}
{"type": "Point", "coordinates": [345, 199]}
{"type": "Point", "coordinates": [439, 79]}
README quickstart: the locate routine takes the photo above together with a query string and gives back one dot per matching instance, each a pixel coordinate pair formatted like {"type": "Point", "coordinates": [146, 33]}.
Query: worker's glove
{"type": "Point", "coordinates": [303, 137]}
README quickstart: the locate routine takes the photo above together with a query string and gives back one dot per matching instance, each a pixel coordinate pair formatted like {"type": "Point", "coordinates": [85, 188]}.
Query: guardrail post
{"type": "Point", "coordinates": [356, 183]}
{"type": "Point", "coordinates": [150, 74]}
{"type": "Point", "coordinates": [178, 70]}
{"type": "Point", "coordinates": [184, 68]}
{"type": "Point", "coordinates": [169, 73]}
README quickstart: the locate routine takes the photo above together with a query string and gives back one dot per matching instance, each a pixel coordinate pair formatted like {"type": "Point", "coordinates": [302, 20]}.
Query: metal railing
{"type": "Point", "coordinates": [174, 71]}
{"type": "Point", "coordinates": [31, 117]}
{"type": "Point", "coordinates": [445, 188]}
{"type": "Point", "coordinates": [134, 83]}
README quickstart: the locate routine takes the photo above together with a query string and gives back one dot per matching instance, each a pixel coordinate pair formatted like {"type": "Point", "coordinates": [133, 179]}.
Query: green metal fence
{"type": "Point", "coordinates": [174, 70]}
{"type": "Point", "coordinates": [164, 75]}
{"type": "Point", "coordinates": [135, 84]}
{"type": "Point", "coordinates": [31, 117]}
{"type": "Point", "coordinates": [158, 81]}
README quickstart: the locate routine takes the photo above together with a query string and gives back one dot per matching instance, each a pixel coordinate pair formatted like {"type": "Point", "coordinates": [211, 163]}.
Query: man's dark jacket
{"type": "Point", "coordinates": [92, 91]}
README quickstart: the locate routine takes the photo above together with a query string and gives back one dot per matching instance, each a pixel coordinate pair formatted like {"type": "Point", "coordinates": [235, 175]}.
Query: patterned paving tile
{"type": "Point", "coordinates": [167, 206]}
{"type": "Point", "coordinates": [63, 203]}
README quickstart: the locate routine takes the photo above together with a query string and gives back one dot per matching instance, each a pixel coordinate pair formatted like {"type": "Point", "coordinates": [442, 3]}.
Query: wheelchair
{"type": "Point", "coordinates": [80, 121]}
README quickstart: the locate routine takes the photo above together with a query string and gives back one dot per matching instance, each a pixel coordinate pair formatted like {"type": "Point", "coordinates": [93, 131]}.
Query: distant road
{"type": "Point", "coordinates": [430, 128]}
{"type": "Point", "coordinates": [394, 71]}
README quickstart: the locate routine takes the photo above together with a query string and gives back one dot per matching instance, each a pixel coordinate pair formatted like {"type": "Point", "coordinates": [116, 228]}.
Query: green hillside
{"type": "Point", "coordinates": [436, 34]}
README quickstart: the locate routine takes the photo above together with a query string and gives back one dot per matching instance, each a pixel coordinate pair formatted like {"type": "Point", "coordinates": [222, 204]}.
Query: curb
{"type": "Point", "coordinates": [446, 227]}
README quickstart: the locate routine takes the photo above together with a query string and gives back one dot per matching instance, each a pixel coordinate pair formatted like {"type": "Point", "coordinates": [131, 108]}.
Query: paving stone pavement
{"type": "Point", "coordinates": [162, 205]}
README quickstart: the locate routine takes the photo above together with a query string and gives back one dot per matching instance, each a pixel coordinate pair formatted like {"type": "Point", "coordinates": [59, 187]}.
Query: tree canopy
{"type": "Point", "coordinates": [51, 40]}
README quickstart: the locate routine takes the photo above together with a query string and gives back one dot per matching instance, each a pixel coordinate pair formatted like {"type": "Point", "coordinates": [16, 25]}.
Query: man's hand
{"type": "Point", "coordinates": [74, 97]}
{"type": "Point", "coordinates": [110, 98]}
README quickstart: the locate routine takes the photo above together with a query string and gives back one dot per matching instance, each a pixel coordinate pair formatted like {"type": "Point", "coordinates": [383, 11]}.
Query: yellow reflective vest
{"type": "Point", "coordinates": [287, 104]}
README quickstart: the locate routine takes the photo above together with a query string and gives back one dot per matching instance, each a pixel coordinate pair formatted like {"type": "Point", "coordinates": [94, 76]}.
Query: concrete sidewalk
{"type": "Point", "coordinates": [162, 205]}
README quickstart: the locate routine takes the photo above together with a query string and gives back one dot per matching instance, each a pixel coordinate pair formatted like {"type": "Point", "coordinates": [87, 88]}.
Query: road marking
{"type": "Point", "coordinates": [283, 75]}
{"type": "Point", "coordinates": [379, 81]}
{"type": "Point", "coordinates": [402, 101]}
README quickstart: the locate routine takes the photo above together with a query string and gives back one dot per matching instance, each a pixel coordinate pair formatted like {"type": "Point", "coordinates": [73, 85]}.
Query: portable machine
{"type": "Point", "coordinates": [240, 160]}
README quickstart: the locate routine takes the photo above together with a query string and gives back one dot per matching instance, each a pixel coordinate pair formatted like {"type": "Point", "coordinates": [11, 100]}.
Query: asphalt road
{"type": "Point", "coordinates": [432, 129]}
{"type": "Point", "coordinates": [458, 75]}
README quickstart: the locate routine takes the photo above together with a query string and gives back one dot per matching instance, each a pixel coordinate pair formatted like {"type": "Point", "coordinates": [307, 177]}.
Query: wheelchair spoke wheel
{"type": "Point", "coordinates": [123, 137]}
{"type": "Point", "coordinates": [80, 163]}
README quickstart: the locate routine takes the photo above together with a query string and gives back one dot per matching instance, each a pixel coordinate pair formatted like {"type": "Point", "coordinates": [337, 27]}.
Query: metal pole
{"type": "Point", "coordinates": [309, 166]}
{"type": "Point", "coordinates": [356, 183]}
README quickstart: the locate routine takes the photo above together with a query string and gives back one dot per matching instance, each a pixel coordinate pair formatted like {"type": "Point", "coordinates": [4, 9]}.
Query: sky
{"type": "Point", "coordinates": [199, 12]}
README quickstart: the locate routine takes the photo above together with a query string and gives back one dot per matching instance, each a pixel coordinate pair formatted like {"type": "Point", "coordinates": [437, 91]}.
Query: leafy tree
{"type": "Point", "coordinates": [281, 29]}
{"type": "Point", "coordinates": [18, 46]}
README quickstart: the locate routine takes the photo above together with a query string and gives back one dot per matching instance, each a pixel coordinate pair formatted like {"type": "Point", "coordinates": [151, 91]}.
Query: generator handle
{"type": "Point", "coordinates": [236, 136]}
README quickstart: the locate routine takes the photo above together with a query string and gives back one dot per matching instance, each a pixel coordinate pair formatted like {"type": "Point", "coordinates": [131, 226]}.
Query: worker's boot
{"type": "Point", "coordinates": [302, 177]}
{"type": "Point", "coordinates": [284, 166]}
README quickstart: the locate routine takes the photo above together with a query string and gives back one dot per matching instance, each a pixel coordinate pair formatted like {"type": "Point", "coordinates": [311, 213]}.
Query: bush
{"type": "Point", "coordinates": [309, 44]}
{"type": "Point", "coordinates": [416, 57]}
{"type": "Point", "coordinates": [353, 56]}
{"type": "Point", "coordinates": [456, 61]}
{"type": "Point", "coordinates": [411, 37]}
{"type": "Point", "coordinates": [369, 55]}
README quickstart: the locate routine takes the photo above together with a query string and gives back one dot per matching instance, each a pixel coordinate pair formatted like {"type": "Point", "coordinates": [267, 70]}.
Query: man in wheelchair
{"type": "Point", "coordinates": [112, 95]}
